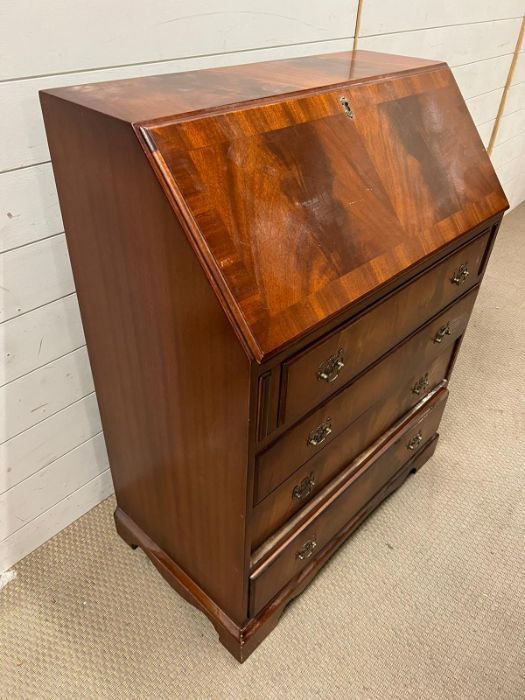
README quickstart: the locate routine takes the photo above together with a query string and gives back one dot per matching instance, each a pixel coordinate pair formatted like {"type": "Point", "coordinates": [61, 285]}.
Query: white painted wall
{"type": "Point", "coordinates": [477, 38]}
{"type": "Point", "coordinates": [53, 464]}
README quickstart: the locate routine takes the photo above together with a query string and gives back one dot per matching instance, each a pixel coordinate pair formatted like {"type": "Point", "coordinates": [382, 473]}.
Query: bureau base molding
{"type": "Point", "coordinates": [241, 641]}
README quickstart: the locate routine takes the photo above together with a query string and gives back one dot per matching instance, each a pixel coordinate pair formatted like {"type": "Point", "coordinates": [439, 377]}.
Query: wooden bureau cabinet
{"type": "Point", "coordinates": [275, 266]}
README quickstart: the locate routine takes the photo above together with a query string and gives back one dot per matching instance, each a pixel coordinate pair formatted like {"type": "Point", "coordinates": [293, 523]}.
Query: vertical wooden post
{"type": "Point", "coordinates": [357, 24]}
{"type": "Point", "coordinates": [508, 83]}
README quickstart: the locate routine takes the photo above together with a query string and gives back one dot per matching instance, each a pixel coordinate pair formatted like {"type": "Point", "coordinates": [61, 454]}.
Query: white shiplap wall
{"type": "Point", "coordinates": [508, 153]}
{"type": "Point", "coordinates": [53, 464]}
{"type": "Point", "coordinates": [477, 38]}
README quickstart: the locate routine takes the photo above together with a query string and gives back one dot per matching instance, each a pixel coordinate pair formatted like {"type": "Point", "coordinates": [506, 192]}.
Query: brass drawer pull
{"type": "Point", "coordinates": [320, 434]}
{"type": "Point", "coordinates": [306, 550]}
{"type": "Point", "coordinates": [442, 332]}
{"type": "Point", "coordinates": [421, 384]}
{"type": "Point", "coordinates": [305, 488]}
{"type": "Point", "coordinates": [415, 441]}
{"type": "Point", "coordinates": [329, 370]}
{"type": "Point", "coordinates": [461, 274]}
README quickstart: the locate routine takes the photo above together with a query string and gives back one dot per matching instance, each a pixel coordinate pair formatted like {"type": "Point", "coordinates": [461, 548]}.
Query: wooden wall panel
{"type": "Point", "coordinates": [35, 448]}
{"type": "Point", "coordinates": [35, 532]}
{"type": "Point", "coordinates": [39, 492]}
{"type": "Point", "coordinates": [480, 77]}
{"type": "Point", "coordinates": [43, 392]}
{"type": "Point", "coordinates": [40, 336]}
{"type": "Point", "coordinates": [456, 44]}
{"type": "Point", "coordinates": [29, 208]}
{"type": "Point", "coordinates": [125, 32]}
{"type": "Point", "coordinates": [34, 275]}
{"type": "Point", "coordinates": [391, 16]}
{"type": "Point", "coordinates": [515, 98]}
{"type": "Point", "coordinates": [484, 107]}
{"type": "Point", "coordinates": [511, 124]}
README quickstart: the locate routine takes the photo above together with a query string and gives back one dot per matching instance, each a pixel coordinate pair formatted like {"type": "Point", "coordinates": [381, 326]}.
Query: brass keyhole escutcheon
{"type": "Point", "coordinates": [346, 107]}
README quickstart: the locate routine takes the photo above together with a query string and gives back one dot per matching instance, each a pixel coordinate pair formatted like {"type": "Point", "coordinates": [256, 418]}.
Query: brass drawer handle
{"type": "Point", "coordinates": [306, 550]}
{"type": "Point", "coordinates": [421, 384]}
{"type": "Point", "coordinates": [442, 332]}
{"type": "Point", "coordinates": [329, 370]}
{"type": "Point", "coordinates": [305, 488]}
{"type": "Point", "coordinates": [461, 274]}
{"type": "Point", "coordinates": [320, 434]}
{"type": "Point", "coordinates": [415, 441]}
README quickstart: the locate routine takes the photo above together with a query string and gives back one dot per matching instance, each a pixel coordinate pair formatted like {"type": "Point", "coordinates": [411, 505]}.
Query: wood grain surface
{"type": "Point", "coordinates": [171, 379]}
{"type": "Point", "coordinates": [300, 210]}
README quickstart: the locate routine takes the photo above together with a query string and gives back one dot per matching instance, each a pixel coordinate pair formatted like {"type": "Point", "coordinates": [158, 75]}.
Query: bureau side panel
{"type": "Point", "coordinates": [171, 378]}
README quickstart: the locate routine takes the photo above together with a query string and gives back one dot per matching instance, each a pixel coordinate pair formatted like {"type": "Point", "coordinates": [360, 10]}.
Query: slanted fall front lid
{"type": "Point", "coordinates": [300, 207]}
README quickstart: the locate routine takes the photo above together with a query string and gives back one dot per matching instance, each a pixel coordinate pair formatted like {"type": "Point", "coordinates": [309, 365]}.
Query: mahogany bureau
{"type": "Point", "coordinates": [275, 266]}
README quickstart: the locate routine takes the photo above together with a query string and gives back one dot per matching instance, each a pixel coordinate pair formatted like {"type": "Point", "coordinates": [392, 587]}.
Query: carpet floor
{"type": "Point", "coordinates": [426, 600]}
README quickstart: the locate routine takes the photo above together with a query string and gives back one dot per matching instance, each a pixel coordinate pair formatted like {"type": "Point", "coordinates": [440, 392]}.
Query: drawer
{"type": "Point", "coordinates": [407, 368]}
{"type": "Point", "coordinates": [363, 482]}
{"type": "Point", "coordinates": [307, 481]}
{"type": "Point", "coordinates": [315, 374]}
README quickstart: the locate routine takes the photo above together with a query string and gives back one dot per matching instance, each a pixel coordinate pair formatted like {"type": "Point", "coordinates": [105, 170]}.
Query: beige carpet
{"type": "Point", "coordinates": [427, 600]}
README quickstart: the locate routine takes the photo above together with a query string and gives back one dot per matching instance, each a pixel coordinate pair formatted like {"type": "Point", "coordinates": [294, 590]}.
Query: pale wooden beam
{"type": "Point", "coordinates": [508, 83]}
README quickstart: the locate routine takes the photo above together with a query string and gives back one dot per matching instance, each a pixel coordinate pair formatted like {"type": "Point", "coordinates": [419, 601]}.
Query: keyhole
{"type": "Point", "coordinates": [346, 107]}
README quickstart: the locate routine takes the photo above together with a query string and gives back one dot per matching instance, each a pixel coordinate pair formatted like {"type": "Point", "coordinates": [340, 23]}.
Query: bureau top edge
{"type": "Point", "coordinates": [152, 97]}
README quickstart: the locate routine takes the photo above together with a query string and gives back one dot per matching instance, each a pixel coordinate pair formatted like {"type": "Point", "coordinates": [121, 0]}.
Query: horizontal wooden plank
{"type": "Point", "coordinates": [485, 131]}
{"type": "Point", "coordinates": [33, 496]}
{"type": "Point", "coordinates": [22, 136]}
{"type": "Point", "coordinates": [35, 533]}
{"type": "Point", "coordinates": [485, 107]}
{"type": "Point", "coordinates": [508, 150]}
{"type": "Point", "coordinates": [515, 189]}
{"type": "Point", "coordinates": [482, 76]}
{"type": "Point", "coordinates": [39, 394]}
{"type": "Point", "coordinates": [510, 125]}
{"type": "Point", "coordinates": [35, 275]}
{"type": "Point", "coordinates": [35, 448]}
{"type": "Point", "coordinates": [512, 168]}
{"type": "Point", "coordinates": [385, 16]}
{"type": "Point", "coordinates": [29, 207]}
{"type": "Point", "coordinates": [518, 191]}
{"type": "Point", "coordinates": [515, 98]}
{"type": "Point", "coordinates": [457, 45]}
{"type": "Point", "coordinates": [40, 336]}
{"type": "Point", "coordinates": [97, 34]}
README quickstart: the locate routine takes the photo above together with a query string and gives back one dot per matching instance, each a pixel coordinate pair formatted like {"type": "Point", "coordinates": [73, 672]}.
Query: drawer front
{"type": "Point", "coordinates": [406, 368]}
{"type": "Point", "coordinates": [317, 373]}
{"type": "Point", "coordinates": [307, 481]}
{"type": "Point", "coordinates": [362, 485]}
